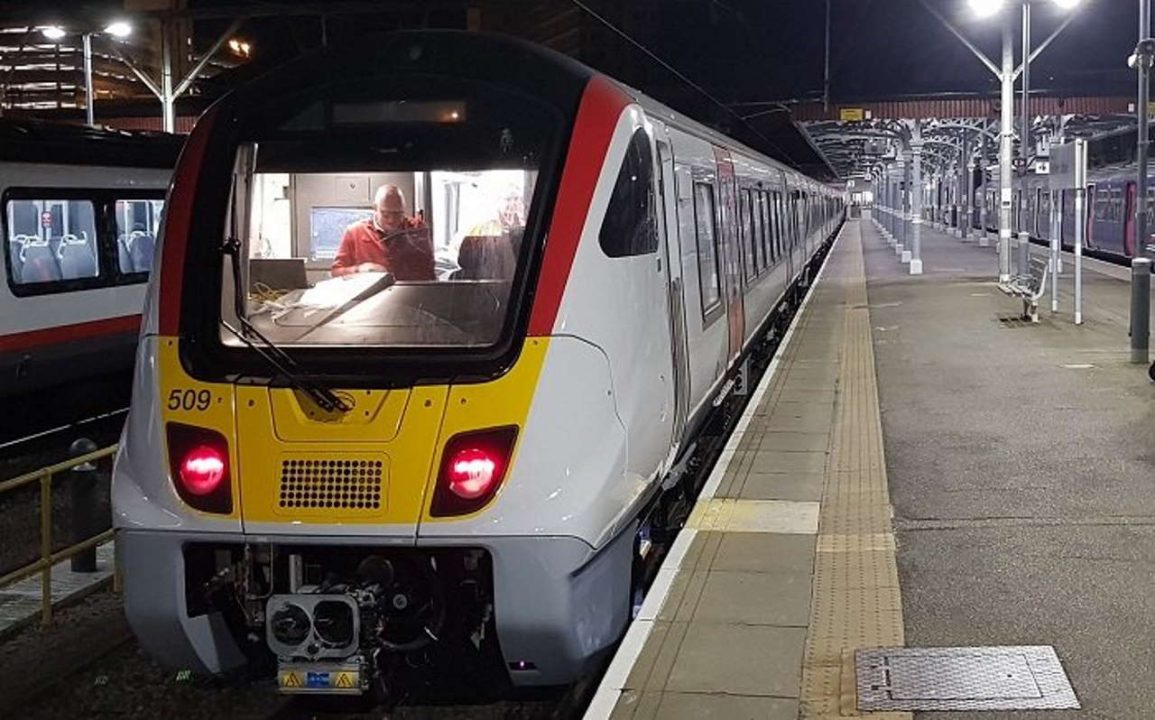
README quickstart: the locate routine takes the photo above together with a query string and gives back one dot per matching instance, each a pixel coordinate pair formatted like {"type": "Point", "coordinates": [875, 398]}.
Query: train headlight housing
{"type": "Point", "coordinates": [473, 465]}
{"type": "Point", "coordinates": [199, 464]}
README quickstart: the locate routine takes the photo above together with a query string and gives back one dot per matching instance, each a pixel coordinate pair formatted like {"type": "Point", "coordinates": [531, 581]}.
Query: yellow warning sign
{"type": "Point", "coordinates": [290, 680]}
{"type": "Point", "coordinates": [344, 680]}
{"type": "Point", "coordinates": [848, 114]}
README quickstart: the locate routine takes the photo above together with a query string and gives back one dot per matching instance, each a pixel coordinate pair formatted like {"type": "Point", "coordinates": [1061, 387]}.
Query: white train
{"type": "Point", "coordinates": [81, 208]}
{"type": "Point", "coordinates": [341, 477]}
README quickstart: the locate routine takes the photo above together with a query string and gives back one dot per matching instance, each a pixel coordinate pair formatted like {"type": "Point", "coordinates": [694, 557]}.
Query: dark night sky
{"type": "Point", "coordinates": [773, 49]}
{"type": "Point", "coordinates": [743, 50]}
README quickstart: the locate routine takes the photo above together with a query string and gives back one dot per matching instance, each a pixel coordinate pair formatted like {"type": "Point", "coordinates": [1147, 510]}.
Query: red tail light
{"type": "Point", "coordinates": [472, 467]}
{"type": "Point", "coordinates": [199, 462]}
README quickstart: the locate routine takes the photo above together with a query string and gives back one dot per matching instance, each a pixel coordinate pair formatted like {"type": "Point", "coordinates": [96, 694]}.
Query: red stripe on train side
{"type": "Point", "coordinates": [62, 334]}
{"type": "Point", "coordinates": [178, 222]}
{"type": "Point", "coordinates": [601, 105]}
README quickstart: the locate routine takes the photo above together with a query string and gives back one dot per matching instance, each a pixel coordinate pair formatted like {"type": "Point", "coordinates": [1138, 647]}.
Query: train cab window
{"type": "Point", "coordinates": [137, 226]}
{"type": "Point", "coordinates": [709, 280]}
{"type": "Point", "coordinates": [51, 241]}
{"type": "Point", "coordinates": [629, 227]}
{"type": "Point", "coordinates": [400, 221]}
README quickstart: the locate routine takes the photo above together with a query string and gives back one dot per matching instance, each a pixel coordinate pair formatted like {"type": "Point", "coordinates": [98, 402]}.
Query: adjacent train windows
{"type": "Point", "coordinates": [51, 241]}
{"type": "Point", "coordinates": [58, 240]}
{"type": "Point", "coordinates": [137, 227]}
{"type": "Point", "coordinates": [629, 226]}
{"type": "Point", "coordinates": [707, 238]}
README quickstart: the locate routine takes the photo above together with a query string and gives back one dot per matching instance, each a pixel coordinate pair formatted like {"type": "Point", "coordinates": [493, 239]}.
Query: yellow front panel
{"type": "Point", "coordinates": [334, 470]}
{"type": "Point", "coordinates": [293, 462]}
{"type": "Point", "coordinates": [504, 401]}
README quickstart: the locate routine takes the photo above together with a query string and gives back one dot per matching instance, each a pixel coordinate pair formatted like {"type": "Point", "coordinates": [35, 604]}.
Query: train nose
{"type": "Point", "coordinates": [367, 466]}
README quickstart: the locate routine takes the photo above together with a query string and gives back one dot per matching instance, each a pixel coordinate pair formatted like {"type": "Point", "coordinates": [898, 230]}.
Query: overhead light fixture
{"type": "Point", "coordinates": [53, 32]}
{"type": "Point", "coordinates": [985, 8]}
{"type": "Point", "coordinates": [1067, 4]}
{"type": "Point", "coordinates": [119, 28]}
{"type": "Point", "coordinates": [240, 47]}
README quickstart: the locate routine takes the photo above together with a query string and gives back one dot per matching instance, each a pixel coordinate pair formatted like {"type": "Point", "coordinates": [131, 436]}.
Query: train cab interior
{"type": "Point", "coordinates": [465, 226]}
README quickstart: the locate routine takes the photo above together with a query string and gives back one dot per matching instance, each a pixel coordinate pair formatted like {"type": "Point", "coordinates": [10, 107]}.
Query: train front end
{"type": "Point", "coordinates": [343, 477]}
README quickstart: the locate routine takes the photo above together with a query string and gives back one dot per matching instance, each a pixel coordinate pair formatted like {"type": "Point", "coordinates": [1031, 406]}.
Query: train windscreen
{"type": "Point", "coordinates": [398, 222]}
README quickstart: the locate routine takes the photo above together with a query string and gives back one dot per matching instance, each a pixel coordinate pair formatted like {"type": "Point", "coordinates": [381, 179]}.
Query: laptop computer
{"type": "Point", "coordinates": [282, 274]}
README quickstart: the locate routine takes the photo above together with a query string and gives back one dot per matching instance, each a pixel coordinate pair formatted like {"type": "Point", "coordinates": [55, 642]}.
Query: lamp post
{"type": "Point", "coordinates": [117, 29]}
{"type": "Point", "coordinates": [1006, 75]}
{"type": "Point", "coordinates": [1140, 264]}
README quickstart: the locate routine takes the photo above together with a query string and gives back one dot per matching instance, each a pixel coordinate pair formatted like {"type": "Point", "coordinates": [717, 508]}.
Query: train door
{"type": "Point", "coordinates": [727, 226]}
{"type": "Point", "coordinates": [1129, 221]}
{"type": "Point", "coordinates": [669, 229]}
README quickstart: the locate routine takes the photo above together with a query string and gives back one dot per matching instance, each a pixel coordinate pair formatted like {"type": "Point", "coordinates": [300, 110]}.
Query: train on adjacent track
{"type": "Point", "coordinates": [1111, 201]}
{"type": "Point", "coordinates": [340, 478]}
{"type": "Point", "coordinates": [81, 208]}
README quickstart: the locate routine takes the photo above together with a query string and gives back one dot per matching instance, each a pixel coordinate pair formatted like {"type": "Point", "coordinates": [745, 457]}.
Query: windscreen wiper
{"type": "Point", "coordinates": [277, 358]}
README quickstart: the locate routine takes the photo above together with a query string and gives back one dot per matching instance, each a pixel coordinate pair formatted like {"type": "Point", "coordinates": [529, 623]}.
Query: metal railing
{"type": "Point", "coordinates": [48, 558]}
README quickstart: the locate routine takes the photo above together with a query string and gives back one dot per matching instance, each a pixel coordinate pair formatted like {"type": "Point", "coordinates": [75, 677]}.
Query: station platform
{"type": "Point", "coordinates": [928, 505]}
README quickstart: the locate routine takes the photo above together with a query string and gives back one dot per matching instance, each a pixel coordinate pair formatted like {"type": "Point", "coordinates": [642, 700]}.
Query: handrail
{"type": "Point", "coordinates": [48, 558]}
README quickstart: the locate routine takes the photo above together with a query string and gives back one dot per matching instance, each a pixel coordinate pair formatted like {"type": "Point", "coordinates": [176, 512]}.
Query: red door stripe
{"type": "Point", "coordinates": [63, 334]}
{"type": "Point", "coordinates": [602, 104]}
{"type": "Point", "coordinates": [178, 222]}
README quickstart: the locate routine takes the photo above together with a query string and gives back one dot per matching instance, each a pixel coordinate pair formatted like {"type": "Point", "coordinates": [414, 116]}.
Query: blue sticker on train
{"type": "Point", "coordinates": [317, 680]}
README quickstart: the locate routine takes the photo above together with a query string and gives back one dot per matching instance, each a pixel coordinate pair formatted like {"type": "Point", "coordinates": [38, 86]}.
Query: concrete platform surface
{"type": "Point", "coordinates": [923, 470]}
{"type": "Point", "coordinates": [1020, 462]}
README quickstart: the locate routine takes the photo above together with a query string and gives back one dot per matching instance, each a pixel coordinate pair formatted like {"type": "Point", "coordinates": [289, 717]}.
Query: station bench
{"type": "Point", "coordinates": [1030, 287]}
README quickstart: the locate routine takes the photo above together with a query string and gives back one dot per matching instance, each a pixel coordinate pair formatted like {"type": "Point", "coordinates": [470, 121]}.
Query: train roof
{"type": "Point", "coordinates": [35, 141]}
{"type": "Point", "coordinates": [554, 77]}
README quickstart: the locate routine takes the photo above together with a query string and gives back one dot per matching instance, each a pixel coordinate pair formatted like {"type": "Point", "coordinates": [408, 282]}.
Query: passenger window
{"type": "Point", "coordinates": [629, 227]}
{"type": "Point", "coordinates": [764, 230]}
{"type": "Point", "coordinates": [749, 230]}
{"type": "Point", "coordinates": [51, 241]}
{"type": "Point", "coordinates": [137, 225]}
{"type": "Point", "coordinates": [704, 223]}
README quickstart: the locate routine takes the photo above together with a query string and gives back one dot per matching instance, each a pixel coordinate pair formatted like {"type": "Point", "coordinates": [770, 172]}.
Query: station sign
{"type": "Point", "coordinates": [851, 114]}
{"type": "Point", "coordinates": [1068, 165]}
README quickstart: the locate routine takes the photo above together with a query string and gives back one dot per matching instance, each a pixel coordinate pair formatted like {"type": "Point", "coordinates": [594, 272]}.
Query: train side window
{"type": "Point", "coordinates": [137, 225]}
{"type": "Point", "coordinates": [51, 241]}
{"type": "Point", "coordinates": [764, 232]}
{"type": "Point", "coordinates": [629, 227]}
{"type": "Point", "coordinates": [705, 225]}
{"type": "Point", "coordinates": [749, 246]}
{"type": "Point", "coordinates": [783, 232]}
{"type": "Point", "coordinates": [775, 226]}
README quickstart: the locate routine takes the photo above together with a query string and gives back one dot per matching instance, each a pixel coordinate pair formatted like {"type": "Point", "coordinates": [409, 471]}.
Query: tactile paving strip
{"type": "Point", "coordinates": [963, 678]}
{"type": "Point", "coordinates": [856, 600]}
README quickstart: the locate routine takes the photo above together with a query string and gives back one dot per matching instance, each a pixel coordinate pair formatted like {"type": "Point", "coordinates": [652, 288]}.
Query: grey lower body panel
{"type": "Point", "coordinates": [558, 604]}
{"type": "Point", "coordinates": [59, 364]}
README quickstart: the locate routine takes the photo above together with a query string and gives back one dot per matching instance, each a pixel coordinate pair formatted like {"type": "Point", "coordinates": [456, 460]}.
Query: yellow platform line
{"type": "Point", "coordinates": [856, 601]}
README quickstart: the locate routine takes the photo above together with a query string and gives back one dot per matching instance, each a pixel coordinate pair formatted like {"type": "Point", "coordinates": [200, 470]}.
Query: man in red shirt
{"type": "Point", "coordinates": [389, 241]}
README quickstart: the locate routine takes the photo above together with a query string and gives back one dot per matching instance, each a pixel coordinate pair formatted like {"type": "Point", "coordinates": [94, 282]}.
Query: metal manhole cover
{"type": "Point", "coordinates": [967, 678]}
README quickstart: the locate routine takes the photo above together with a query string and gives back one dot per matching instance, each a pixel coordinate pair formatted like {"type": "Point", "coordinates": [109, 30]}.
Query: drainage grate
{"type": "Point", "coordinates": [1016, 321]}
{"type": "Point", "coordinates": [968, 678]}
